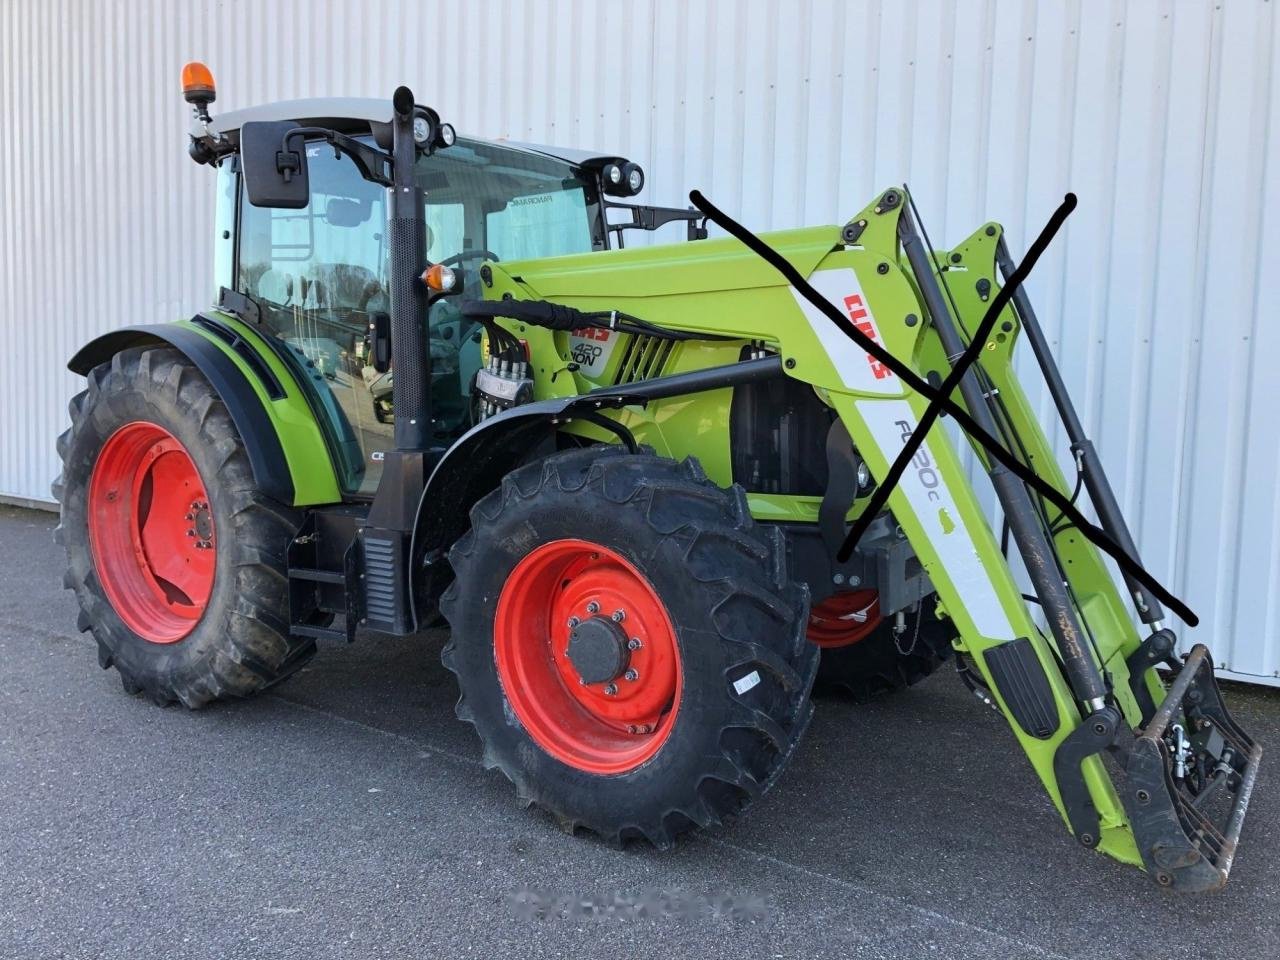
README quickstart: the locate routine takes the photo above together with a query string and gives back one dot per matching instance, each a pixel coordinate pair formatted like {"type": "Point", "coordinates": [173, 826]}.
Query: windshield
{"type": "Point", "coordinates": [486, 201]}
{"type": "Point", "coordinates": [319, 273]}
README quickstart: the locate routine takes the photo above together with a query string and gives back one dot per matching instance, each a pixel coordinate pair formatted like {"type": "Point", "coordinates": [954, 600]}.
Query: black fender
{"type": "Point", "coordinates": [266, 455]}
{"type": "Point", "coordinates": [476, 464]}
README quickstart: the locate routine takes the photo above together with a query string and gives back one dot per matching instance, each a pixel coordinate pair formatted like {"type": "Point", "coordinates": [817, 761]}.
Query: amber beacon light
{"type": "Point", "coordinates": [197, 87]}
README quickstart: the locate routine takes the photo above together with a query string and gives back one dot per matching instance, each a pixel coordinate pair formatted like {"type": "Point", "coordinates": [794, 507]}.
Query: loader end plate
{"type": "Point", "coordinates": [1189, 774]}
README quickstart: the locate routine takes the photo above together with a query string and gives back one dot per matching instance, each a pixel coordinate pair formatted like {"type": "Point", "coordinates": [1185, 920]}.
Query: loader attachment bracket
{"type": "Point", "coordinates": [1185, 779]}
{"type": "Point", "coordinates": [1180, 771]}
{"type": "Point", "coordinates": [1093, 736]}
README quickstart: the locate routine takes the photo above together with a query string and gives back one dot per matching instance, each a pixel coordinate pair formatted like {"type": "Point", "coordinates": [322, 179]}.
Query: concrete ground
{"type": "Point", "coordinates": [346, 814]}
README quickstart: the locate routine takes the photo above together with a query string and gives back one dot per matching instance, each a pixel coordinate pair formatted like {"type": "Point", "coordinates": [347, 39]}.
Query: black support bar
{"type": "Point", "coordinates": [406, 232]}
{"type": "Point", "coordinates": [1095, 478]}
{"type": "Point", "coordinates": [696, 381]}
{"type": "Point", "coordinates": [1034, 546]}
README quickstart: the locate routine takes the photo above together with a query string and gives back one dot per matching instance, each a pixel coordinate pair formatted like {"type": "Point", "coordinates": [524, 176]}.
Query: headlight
{"type": "Point", "coordinates": [421, 131]}
{"type": "Point", "coordinates": [864, 476]}
{"type": "Point", "coordinates": [445, 135]}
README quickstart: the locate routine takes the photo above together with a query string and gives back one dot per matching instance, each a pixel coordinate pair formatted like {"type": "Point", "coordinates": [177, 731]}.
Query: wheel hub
{"type": "Point", "coordinates": [587, 656]}
{"type": "Point", "coordinates": [151, 532]}
{"type": "Point", "coordinates": [598, 650]}
{"type": "Point", "coordinates": [201, 525]}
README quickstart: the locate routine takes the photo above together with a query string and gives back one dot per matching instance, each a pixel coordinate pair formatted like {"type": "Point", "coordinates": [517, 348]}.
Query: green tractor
{"type": "Point", "coordinates": [435, 386]}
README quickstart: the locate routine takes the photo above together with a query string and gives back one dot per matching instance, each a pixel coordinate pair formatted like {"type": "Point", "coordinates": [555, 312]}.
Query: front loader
{"type": "Point", "coordinates": [435, 385]}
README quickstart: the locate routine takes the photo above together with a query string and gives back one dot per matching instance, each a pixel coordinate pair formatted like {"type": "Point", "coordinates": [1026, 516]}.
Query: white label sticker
{"type": "Point", "coordinates": [590, 348]}
{"type": "Point", "coordinates": [746, 683]}
{"type": "Point", "coordinates": [858, 369]}
{"type": "Point", "coordinates": [891, 422]}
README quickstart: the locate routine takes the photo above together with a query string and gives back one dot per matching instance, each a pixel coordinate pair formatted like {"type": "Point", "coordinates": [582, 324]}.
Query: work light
{"type": "Point", "coordinates": [635, 178]}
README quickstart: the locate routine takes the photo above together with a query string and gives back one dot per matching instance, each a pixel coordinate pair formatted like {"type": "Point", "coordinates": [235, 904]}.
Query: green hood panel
{"type": "Point", "coordinates": [702, 266]}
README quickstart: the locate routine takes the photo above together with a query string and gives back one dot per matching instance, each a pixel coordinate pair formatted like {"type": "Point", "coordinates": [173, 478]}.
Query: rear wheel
{"type": "Point", "coordinates": [863, 657]}
{"type": "Point", "coordinates": [627, 643]}
{"type": "Point", "coordinates": [176, 559]}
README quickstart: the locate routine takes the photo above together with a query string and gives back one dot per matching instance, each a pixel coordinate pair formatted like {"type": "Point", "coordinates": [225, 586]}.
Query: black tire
{"type": "Point", "coordinates": [882, 663]}
{"type": "Point", "coordinates": [723, 582]}
{"type": "Point", "coordinates": [241, 643]}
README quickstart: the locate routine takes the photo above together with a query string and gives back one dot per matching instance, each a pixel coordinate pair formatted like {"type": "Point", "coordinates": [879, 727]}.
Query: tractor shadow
{"type": "Point", "coordinates": [922, 796]}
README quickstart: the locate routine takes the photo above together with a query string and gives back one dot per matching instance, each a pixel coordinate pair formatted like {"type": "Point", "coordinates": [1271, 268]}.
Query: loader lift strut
{"type": "Point", "coordinates": [1168, 776]}
{"type": "Point", "coordinates": [1095, 478]}
{"type": "Point", "coordinates": [1037, 552]}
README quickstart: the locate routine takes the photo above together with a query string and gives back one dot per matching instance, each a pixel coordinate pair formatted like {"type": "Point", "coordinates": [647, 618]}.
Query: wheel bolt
{"type": "Point", "coordinates": [619, 616]}
{"type": "Point", "coordinates": [631, 675]}
{"type": "Point", "coordinates": [610, 689]}
{"type": "Point", "coordinates": [593, 607]}
{"type": "Point", "coordinates": [573, 622]}
{"type": "Point", "coordinates": [191, 533]}
{"type": "Point", "coordinates": [634, 643]}
{"type": "Point", "coordinates": [189, 516]}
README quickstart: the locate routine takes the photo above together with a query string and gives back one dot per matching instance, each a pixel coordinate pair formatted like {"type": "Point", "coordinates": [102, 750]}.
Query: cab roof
{"type": "Point", "coordinates": [355, 114]}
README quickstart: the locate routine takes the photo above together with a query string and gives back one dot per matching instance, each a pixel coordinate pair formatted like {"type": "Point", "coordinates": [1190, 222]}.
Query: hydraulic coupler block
{"type": "Point", "coordinates": [501, 385]}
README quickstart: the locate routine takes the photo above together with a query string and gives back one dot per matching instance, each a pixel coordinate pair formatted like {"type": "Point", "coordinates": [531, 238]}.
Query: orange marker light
{"type": "Point", "coordinates": [197, 83]}
{"type": "Point", "coordinates": [439, 278]}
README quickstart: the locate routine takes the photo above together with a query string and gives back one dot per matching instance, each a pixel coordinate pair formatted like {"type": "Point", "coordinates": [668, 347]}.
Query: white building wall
{"type": "Point", "coordinates": [1161, 116]}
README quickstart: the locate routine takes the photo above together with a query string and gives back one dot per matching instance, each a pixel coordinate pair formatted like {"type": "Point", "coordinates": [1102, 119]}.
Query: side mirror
{"type": "Point", "coordinates": [273, 175]}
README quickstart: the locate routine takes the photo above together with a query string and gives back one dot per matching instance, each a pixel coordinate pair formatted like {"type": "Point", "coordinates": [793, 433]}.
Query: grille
{"type": "Point", "coordinates": [380, 580]}
{"type": "Point", "coordinates": [643, 358]}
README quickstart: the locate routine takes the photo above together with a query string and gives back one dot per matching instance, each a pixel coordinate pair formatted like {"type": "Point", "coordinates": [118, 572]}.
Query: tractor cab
{"type": "Point", "coordinates": [319, 274]}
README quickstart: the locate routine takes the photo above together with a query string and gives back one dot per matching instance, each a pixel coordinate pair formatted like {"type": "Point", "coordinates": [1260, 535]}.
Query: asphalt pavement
{"type": "Point", "coordinates": [346, 814]}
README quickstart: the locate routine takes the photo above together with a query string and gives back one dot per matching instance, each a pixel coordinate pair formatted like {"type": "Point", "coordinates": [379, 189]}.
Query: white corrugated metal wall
{"type": "Point", "coordinates": [1161, 116]}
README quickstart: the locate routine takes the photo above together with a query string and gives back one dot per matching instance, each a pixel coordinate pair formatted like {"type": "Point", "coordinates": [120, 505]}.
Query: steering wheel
{"type": "Point", "coordinates": [469, 255]}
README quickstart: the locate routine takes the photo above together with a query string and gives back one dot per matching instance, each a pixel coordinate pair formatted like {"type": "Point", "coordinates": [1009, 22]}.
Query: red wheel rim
{"type": "Point", "coordinates": [151, 532]}
{"type": "Point", "coordinates": [575, 588]}
{"type": "Point", "coordinates": [843, 619]}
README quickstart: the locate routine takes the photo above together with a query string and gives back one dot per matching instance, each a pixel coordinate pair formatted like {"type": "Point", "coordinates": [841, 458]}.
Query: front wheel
{"type": "Point", "coordinates": [627, 642]}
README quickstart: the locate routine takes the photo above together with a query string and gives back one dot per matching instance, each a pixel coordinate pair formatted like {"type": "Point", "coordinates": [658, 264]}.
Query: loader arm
{"type": "Point", "coordinates": [1172, 751]}
{"type": "Point", "coordinates": [1077, 687]}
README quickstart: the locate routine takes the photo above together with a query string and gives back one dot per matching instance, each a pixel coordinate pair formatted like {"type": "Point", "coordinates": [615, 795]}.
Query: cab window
{"type": "Point", "coordinates": [319, 273]}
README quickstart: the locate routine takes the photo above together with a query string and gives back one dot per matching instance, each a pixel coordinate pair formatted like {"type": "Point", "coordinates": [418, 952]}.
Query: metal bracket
{"type": "Point", "coordinates": [889, 200]}
{"type": "Point", "coordinates": [851, 232]}
{"type": "Point", "coordinates": [842, 486]}
{"type": "Point", "coordinates": [242, 305]}
{"type": "Point", "coordinates": [1157, 648]}
{"type": "Point", "coordinates": [1094, 735]}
